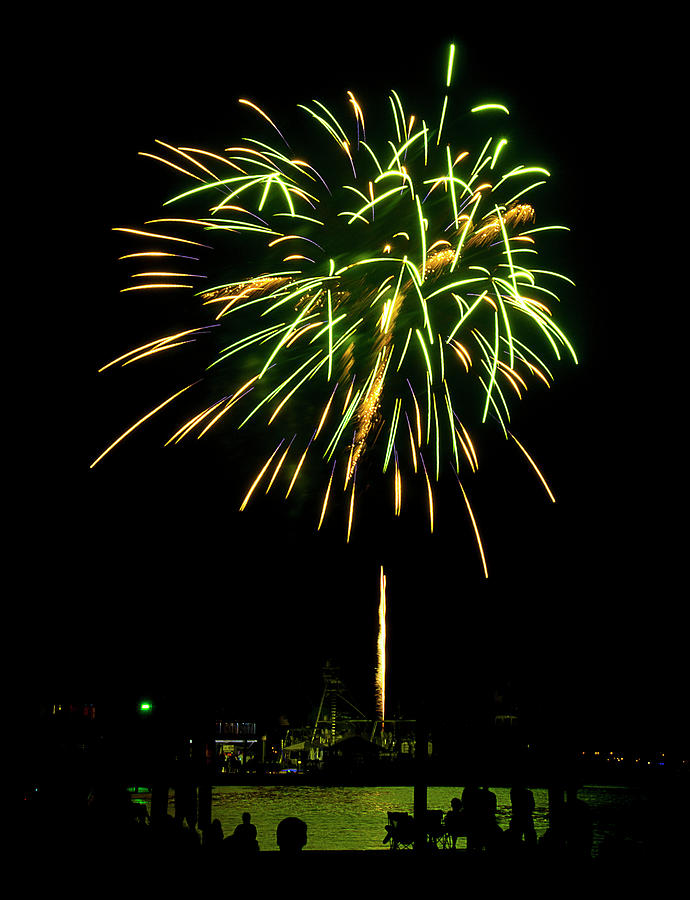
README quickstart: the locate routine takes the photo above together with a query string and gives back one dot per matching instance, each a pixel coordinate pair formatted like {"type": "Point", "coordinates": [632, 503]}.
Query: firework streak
{"type": "Point", "coordinates": [381, 650]}
{"type": "Point", "coordinates": [397, 300]}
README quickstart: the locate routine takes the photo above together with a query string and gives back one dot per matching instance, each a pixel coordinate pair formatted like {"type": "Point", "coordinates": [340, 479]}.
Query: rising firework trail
{"type": "Point", "coordinates": [381, 651]}
{"type": "Point", "coordinates": [390, 298]}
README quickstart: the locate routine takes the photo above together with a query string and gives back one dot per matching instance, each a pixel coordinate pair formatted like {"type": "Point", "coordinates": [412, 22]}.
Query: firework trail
{"type": "Point", "coordinates": [389, 297]}
{"type": "Point", "coordinates": [381, 651]}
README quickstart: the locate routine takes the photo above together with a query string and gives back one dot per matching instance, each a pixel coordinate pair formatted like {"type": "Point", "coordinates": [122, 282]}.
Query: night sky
{"type": "Point", "coordinates": [141, 576]}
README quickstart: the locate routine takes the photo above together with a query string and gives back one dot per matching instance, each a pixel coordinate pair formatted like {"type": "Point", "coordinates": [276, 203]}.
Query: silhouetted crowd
{"type": "Point", "coordinates": [111, 828]}
{"type": "Point", "coordinates": [111, 832]}
{"type": "Point", "coordinates": [473, 817]}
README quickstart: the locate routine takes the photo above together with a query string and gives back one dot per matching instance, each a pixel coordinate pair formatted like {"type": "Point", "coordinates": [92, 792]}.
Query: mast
{"type": "Point", "coordinates": [334, 690]}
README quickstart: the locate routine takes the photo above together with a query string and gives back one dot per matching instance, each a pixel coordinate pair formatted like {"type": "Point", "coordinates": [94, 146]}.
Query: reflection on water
{"type": "Point", "coordinates": [343, 818]}
{"type": "Point", "coordinates": [354, 818]}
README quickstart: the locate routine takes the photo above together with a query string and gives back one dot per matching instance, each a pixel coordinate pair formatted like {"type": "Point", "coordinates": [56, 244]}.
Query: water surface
{"type": "Point", "coordinates": [354, 818]}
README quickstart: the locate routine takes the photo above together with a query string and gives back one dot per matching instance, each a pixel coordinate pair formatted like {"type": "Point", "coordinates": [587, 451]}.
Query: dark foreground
{"type": "Point", "coordinates": [107, 846]}
{"type": "Point", "coordinates": [88, 871]}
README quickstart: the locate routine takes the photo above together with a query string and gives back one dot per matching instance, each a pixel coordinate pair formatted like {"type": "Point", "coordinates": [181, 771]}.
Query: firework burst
{"type": "Point", "coordinates": [396, 302]}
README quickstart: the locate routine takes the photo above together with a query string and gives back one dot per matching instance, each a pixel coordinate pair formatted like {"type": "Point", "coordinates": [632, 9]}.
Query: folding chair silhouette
{"type": "Point", "coordinates": [400, 830]}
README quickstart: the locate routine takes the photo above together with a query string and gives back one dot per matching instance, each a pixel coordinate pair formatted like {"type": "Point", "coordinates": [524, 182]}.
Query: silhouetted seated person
{"type": "Point", "coordinates": [244, 836]}
{"type": "Point", "coordinates": [212, 837]}
{"type": "Point", "coordinates": [454, 821]}
{"type": "Point", "coordinates": [291, 835]}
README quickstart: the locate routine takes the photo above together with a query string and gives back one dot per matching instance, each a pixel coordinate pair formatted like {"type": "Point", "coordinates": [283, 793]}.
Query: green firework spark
{"type": "Point", "coordinates": [391, 301]}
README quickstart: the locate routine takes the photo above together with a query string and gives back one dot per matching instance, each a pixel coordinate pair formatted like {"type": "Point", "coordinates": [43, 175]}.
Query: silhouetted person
{"type": "Point", "coordinates": [552, 844]}
{"type": "Point", "coordinates": [244, 836]}
{"type": "Point", "coordinates": [172, 839]}
{"type": "Point", "coordinates": [291, 835]}
{"type": "Point", "coordinates": [454, 821]}
{"type": "Point", "coordinates": [488, 830]}
{"type": "Point", "coordinates": [522, 811]}
{"type": "Point", "coordinates": [471, 804]}
{"type": "Point", "coordinates": [186, 794]}
{"type": "Point", "coordinates": [212, 836]}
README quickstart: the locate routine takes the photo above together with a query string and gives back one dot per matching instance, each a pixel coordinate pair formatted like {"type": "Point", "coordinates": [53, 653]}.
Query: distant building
{"type": "Point", "coordinates": [235, 744]}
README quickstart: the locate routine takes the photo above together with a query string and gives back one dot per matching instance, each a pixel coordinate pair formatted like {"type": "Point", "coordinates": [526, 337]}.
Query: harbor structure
{"type": "Point", "coordinates": [342, 734]}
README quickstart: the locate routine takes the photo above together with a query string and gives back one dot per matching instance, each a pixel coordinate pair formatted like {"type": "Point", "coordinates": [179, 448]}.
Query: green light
{"type": "Point", "coordinates": [145, 706]}
{"type": "Point", "coordinates": [485, 106]}
{"type": "Point", "coordinates": [451, 54]}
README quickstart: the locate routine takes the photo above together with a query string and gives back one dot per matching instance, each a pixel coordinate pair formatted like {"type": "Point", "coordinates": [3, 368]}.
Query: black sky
{"type": "Point", "coordinates": [141, 575]}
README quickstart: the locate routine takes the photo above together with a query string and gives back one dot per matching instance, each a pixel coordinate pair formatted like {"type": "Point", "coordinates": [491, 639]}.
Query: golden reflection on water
{"type": "Point", "coordinates": [341, 818]}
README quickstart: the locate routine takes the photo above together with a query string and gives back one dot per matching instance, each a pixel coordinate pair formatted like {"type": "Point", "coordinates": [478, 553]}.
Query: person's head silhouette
{"type": "Point", "coordinates": [291, 835]}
